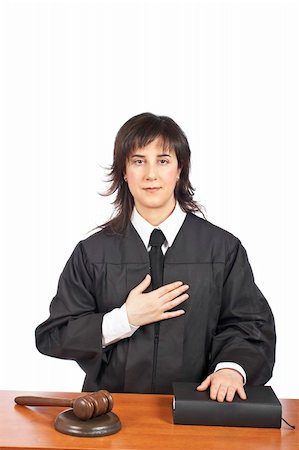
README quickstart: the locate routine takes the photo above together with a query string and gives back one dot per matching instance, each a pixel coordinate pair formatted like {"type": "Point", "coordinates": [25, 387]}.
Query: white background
{"type": "Point", "coordinates": [72, 72]}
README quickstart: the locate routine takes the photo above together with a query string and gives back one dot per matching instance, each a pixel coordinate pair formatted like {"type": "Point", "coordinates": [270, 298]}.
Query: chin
{"type": "Point", "coordinates": [153, 205]}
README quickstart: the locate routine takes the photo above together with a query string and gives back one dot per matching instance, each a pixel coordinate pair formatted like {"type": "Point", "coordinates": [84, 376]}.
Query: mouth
{"type": "Point", "coordinates": [152, 189]}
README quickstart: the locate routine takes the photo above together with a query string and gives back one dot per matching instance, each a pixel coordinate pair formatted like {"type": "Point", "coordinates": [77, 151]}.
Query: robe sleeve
{"type": "Point", "coordinates": [245, 333]}
{"type": "Point", "coordinates": [74, 327]}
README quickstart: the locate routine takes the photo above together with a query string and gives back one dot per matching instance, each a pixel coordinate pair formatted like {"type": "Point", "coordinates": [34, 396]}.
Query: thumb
{"type": "Point", "coordinates": [205, 384]}
{"type": "Point", "coordinates": [143, 285]}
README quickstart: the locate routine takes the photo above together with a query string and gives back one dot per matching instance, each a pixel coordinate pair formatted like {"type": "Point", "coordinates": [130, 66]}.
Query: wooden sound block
{"type": "Point", "coordinates": [104, 425]}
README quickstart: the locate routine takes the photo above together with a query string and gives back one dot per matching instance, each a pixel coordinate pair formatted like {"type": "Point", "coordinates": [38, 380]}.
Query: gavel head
{"type": "Point", "coordinates": [92, 405]}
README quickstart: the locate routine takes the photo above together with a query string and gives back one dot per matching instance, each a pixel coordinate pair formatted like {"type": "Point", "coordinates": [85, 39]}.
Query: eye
{"type": "Point", "coordinates": [163, 162]}
{"type": "Point", "coordinates": [138, 162]}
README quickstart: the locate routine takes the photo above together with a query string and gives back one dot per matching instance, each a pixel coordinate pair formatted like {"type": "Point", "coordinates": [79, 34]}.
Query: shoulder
{"type": "Point", "coordinates": [198, 223]}
{"type": "Point", "coordinates": [101, 236]}
{"type": "Point", "coordinates": [99, 244]}
{"type": "Point", "coordinates": [210, 238]}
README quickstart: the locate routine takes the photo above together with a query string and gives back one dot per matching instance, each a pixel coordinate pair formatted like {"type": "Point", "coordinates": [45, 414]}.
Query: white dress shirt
{"type": "Point", "coordinates": [115, 325]}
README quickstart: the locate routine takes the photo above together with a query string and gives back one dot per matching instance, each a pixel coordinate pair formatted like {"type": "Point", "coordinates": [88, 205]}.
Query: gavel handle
{"type": "Point", "coordinates": [43, 401]}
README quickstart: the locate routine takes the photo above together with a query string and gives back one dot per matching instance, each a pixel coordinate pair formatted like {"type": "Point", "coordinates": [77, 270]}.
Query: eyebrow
{"type": "Point", "coordinates": [136, 155]}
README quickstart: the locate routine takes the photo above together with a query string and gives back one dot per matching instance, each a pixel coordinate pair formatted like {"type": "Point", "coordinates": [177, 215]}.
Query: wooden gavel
{"type": "Point", "coordinates": [84, 407]}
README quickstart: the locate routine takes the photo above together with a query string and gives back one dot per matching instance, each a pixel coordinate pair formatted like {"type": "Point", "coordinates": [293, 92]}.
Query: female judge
{"type": "Point", "coordinates": [159, 294]}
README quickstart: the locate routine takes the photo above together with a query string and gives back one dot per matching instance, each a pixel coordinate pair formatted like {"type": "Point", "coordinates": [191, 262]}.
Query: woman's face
{"type": "Point", "coordinates": [152, 173]}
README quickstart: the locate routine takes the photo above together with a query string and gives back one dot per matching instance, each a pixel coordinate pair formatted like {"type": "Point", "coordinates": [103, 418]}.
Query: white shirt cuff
{"type": "Point", "coordinates": [232, 365]}
{"type": "Point", "coordinates": [115, 326]}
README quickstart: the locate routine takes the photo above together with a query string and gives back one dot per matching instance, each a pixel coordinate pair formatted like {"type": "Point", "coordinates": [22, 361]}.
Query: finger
{"type": "Point", "coordinates": [171, 295]}
{"type": "Point", "coordinates": [242, 393]}
{"type": "Point", "coordinates": [214, 391]}
{"type": "Point", "coordinates": [177, 301]}
{"type": "Point", "coordinates": [172, 314]}
{"type": "Point", "coordinates": [222, 392]}
{"type": "Point", "coordinates": [168, 288]}
{"type": "Point", "coordinates": [143, 285]}
{"type": "Point", "coordinates": [205, 384]}
{"type": "Point", "coordinates": [231, 390]}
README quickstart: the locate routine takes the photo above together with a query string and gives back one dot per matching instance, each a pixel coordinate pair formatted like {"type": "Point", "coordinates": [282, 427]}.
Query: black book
{"type": "Point", "coordinates": [262, 409]}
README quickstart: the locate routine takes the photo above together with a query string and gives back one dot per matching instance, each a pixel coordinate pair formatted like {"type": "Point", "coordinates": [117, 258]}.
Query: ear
{"type": "Point", "coordinates": [179, 173]}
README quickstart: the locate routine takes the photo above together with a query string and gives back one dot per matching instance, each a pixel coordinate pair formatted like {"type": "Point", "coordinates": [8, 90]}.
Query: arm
{"type": "Point", "coordinates": [76, 330]}
{"type": "Point", "coordinates": [245, 333]}
{"type": "Point", "coordinates": [73, 329]}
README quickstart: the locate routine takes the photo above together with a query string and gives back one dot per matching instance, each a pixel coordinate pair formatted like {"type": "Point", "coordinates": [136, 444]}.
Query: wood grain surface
{"type": "Point", "coordinates": [146, 424]}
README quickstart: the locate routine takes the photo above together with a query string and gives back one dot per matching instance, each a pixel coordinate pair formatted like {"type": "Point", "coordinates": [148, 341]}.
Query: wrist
{"type": "Point", "coordinates": [130, 319]}
{"type": "Point", "coordinates": [233, 366]}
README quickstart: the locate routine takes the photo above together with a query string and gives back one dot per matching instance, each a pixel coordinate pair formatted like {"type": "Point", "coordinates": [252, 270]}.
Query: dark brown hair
{"type": "Point", "coordinates": [138, 132]}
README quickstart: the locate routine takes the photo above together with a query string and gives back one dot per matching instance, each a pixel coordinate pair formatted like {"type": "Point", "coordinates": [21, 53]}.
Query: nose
{"type": "Point", "coordinates": [151, 173]}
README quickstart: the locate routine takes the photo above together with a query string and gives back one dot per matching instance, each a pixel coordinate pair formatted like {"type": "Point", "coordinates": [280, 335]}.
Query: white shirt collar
{"type": "Point", "coordinates": [170, 227]}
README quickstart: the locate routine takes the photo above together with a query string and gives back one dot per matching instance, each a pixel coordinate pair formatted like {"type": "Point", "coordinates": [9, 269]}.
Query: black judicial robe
{"type": "Point", "coordinates": [226, 316]}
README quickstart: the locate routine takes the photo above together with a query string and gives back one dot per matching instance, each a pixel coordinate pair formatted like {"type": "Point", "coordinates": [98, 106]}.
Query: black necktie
{"type": "Point", "coordinates": [156, 258]}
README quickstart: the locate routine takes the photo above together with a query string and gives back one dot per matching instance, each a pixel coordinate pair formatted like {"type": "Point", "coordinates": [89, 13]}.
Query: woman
{"type": "Point", "coordinates": [207, 322]}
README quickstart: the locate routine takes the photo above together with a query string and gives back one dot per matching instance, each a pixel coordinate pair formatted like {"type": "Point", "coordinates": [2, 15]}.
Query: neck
{"type": "Point", "coordinates": [155, 216]}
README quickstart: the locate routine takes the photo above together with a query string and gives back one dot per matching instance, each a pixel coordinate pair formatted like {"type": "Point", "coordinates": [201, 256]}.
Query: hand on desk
{"type": "Point", "coordinates": [223, 385]}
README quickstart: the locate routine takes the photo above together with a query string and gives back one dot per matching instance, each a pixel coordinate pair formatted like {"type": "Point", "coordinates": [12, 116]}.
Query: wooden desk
{"type": "Point", "coordinates": [146, 424]}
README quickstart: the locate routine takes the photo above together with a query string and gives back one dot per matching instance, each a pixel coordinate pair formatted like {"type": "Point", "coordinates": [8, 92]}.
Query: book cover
{"type": "Point", "coordinates": [262, 409]}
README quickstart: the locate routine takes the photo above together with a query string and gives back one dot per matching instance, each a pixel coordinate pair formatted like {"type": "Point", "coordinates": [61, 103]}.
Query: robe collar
{"type": "Point", "coordinates": [170, 227]}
